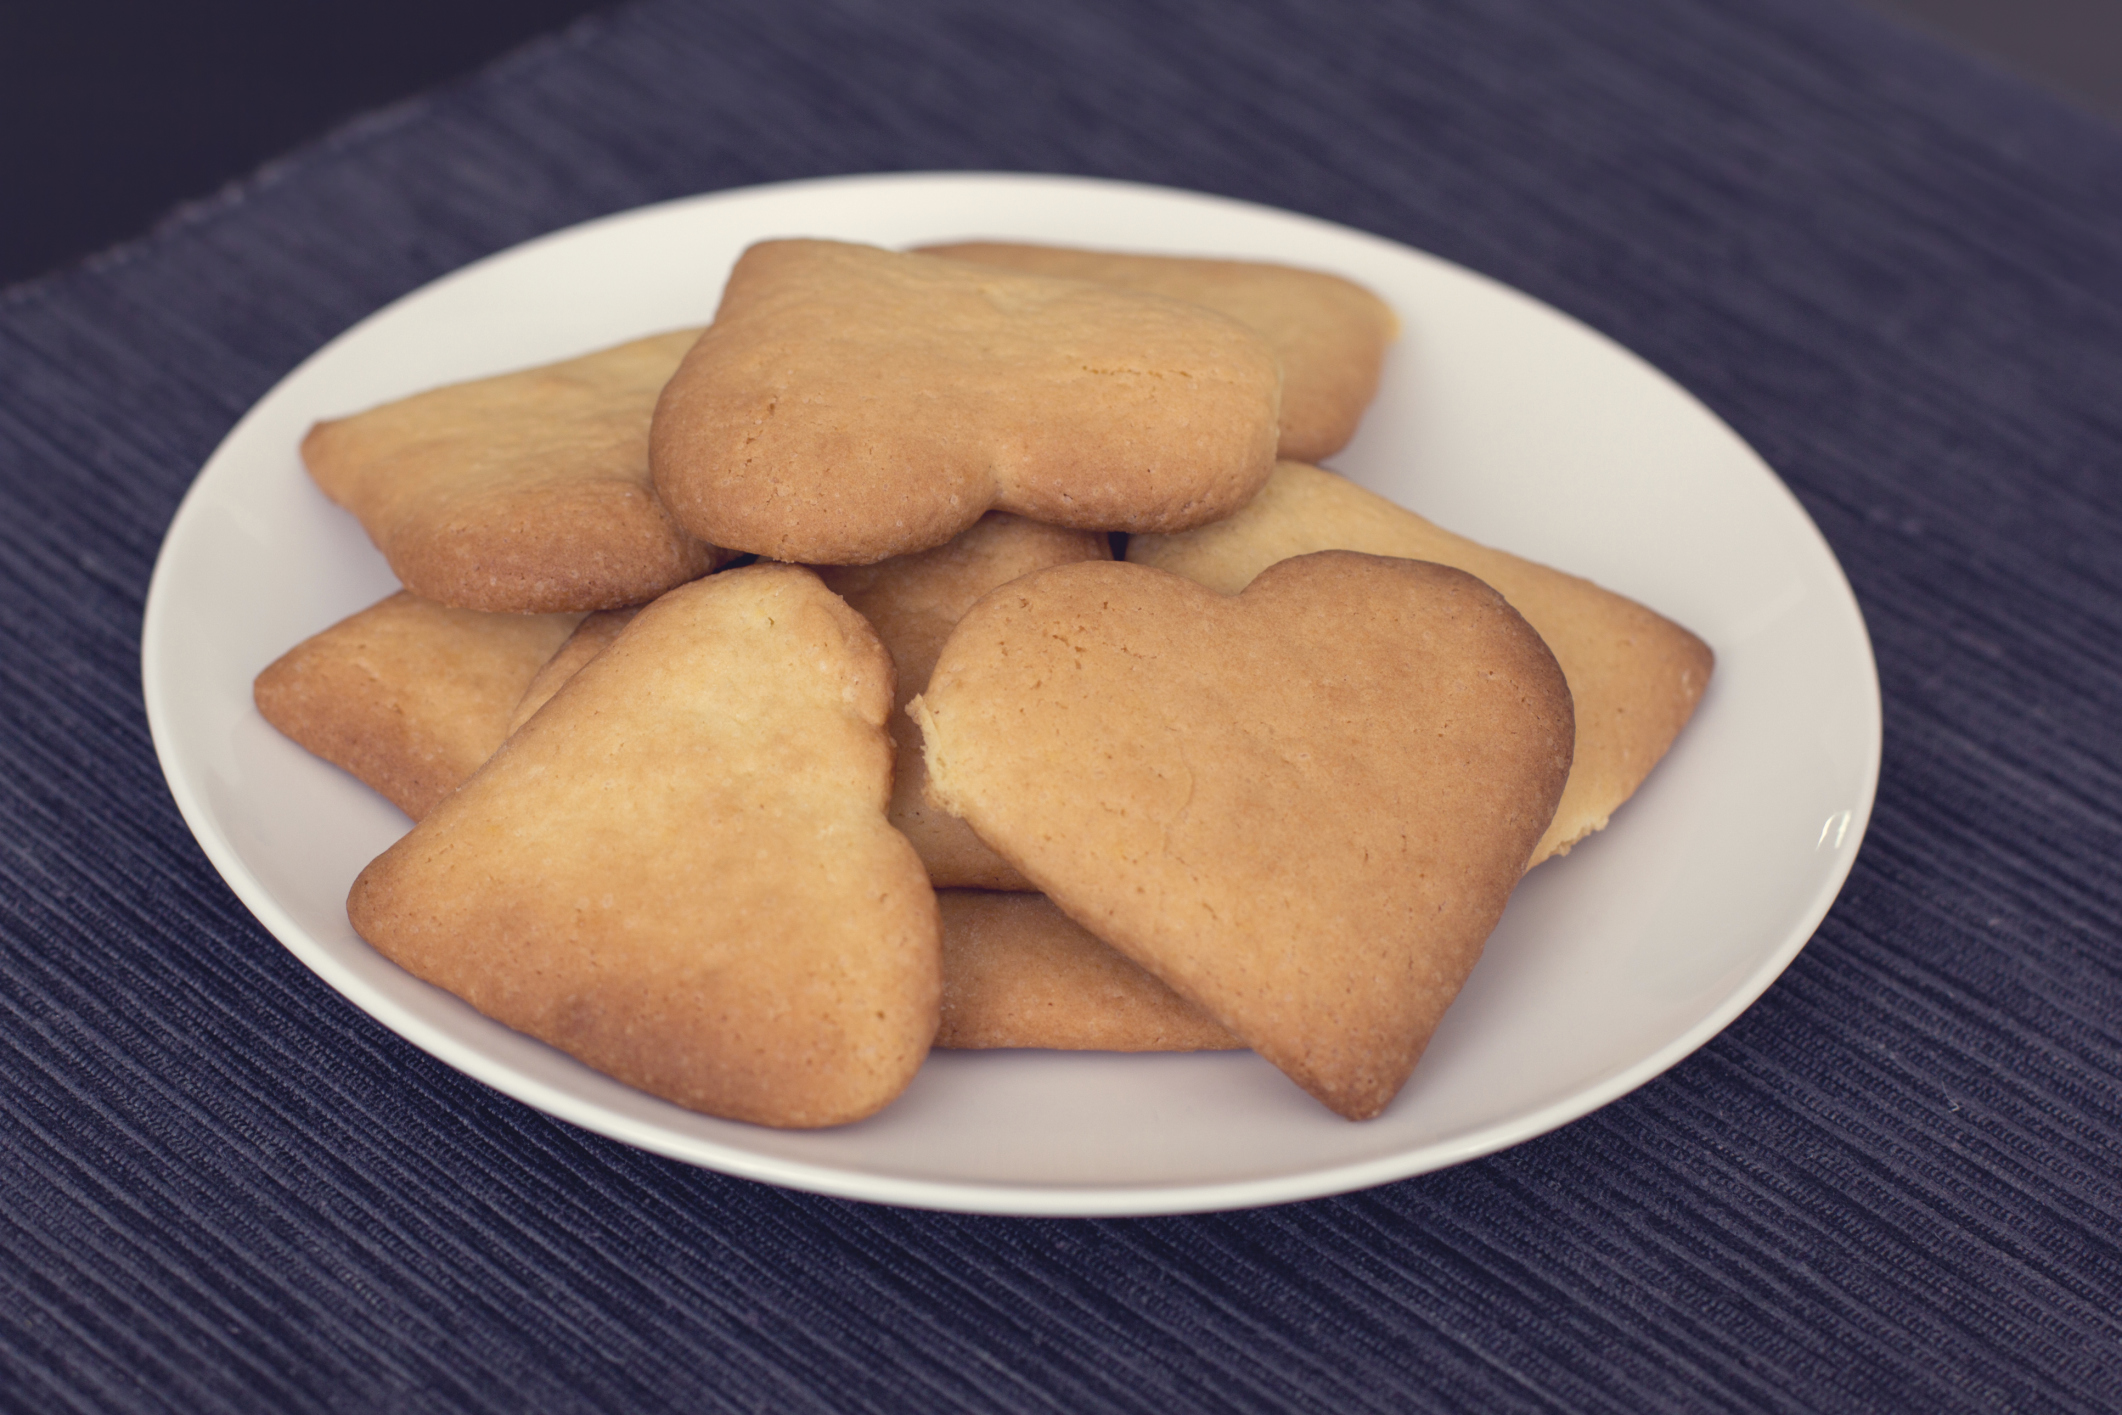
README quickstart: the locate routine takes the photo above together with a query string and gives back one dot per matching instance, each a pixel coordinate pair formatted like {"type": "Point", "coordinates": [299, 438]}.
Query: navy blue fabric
{"type": "Point", "coordinates": [1892, 1185]}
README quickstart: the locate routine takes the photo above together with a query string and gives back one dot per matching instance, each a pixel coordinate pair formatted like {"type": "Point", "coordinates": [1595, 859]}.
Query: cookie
{"type": "Point", "coordinates": [913, 602]}
{"type": "Point", "coordinates": [851, 404]}
{"type": "Point", "coordinates": [1017, 972]}
{"type": "Point", "coordinates": [1634, 675]}
{"type": "Point", "coordinates": [526, 493]}
{"type": "Point", "coordinates": [1302, 807]}
{"type": "Point", "coordinates": [679, 870]}
{"type": "Point", "coordinates": [408, 695]}
{"type": "Point", "coordinates": [1330, 334]}
{"type": "Point", "coordinates": [590, 638]}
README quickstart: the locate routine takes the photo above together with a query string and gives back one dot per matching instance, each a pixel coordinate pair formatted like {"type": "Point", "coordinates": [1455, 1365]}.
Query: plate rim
{"type": "Point", "coordinates": [995, 1197]}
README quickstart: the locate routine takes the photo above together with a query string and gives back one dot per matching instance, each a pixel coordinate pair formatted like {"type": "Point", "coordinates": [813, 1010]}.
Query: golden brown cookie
{"type": "Point", "coordinates": [850, 404]}
{"type": "Point", "coordinates": [1330, 334]}
{"type": "Point", "coordinates": [409, 696]}
{"type": "Point", "coordinates": [1302, 807]}
{"type": "Point", "coordinates": [1634, 675]}
{"type": "Point", "coordinates": [590, 638]}
{"type": "Point", "coordinates": [1017, 972]}
{"type": "Point", "coordinates": [526, 493]}
{"type": "Point", "coordinates": [680, 872]}
{"type": "Point", "coordinates": [914, 601]}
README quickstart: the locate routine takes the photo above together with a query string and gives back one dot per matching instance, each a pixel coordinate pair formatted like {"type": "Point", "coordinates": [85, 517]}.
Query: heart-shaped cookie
{"type": "Point", "coordinates": [679, 869]}
{"type": "Point", "coordinates": [1330, 334]}
{"type": "Point", "coordinates": [523, 493]}
{"type": "Point", "coordinates": [1634, 675]}
{"type": "Point", "coordinates": [1017, 972]}
{"type": "Point", "coordinates": [1302, 807]}
{"type": "Point", "coordinates": [409, 695]}
{"type": "Point", "coordinates": [851, 403]}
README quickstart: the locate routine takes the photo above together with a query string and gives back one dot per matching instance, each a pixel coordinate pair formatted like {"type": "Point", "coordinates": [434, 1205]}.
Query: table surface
{"type": "Point", "coordinates": [114, 111]}
{"type": "Point", "coordinates": [1892, 1184]}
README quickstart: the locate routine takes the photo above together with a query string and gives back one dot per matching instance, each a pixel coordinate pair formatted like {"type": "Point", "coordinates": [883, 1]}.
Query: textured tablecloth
{"type": "Point", "coordinates": [1892, 1184]}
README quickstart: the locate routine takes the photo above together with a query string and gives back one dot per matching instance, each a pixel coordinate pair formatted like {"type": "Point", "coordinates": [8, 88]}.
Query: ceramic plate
{"type": "Point", "coordinates": [1499, 418]}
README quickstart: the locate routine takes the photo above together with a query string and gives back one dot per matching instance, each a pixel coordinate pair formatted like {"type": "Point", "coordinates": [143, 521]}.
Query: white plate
{"type": "Point", "coordinates": [1499, 418]}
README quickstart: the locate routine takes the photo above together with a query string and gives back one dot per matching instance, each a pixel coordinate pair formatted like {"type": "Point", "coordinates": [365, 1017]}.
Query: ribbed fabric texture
{"type": "Point", "coordinates": [1891, 1185]}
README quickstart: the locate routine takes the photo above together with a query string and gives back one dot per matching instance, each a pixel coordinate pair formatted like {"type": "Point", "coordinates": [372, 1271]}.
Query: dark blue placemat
{"type": "Point", "coordinates": [1893, 1184]}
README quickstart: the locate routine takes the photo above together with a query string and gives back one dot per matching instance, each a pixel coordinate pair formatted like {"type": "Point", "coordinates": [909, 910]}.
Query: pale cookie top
{"type": "Point", "coordinates": [1302, 807]}
{"type": "Point", "coordinates": [850, 404]}
{"type": "Point", "coordinates": [679, 870]}
{"type": "Point", "coordinates": [1330, 334]}
{"type": "Point", "coordinates": [1634, 675]}
{"type": "Point", "coordinates": [913, 602]}
{"type": "Point", "coordinates": [527, 492]}
{"type": "Point", "coordinates": [408, 695]}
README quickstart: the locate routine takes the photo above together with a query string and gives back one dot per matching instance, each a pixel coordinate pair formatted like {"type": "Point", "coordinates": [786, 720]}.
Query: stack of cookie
{"type": "Point", "coordinates": [772, 708]}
